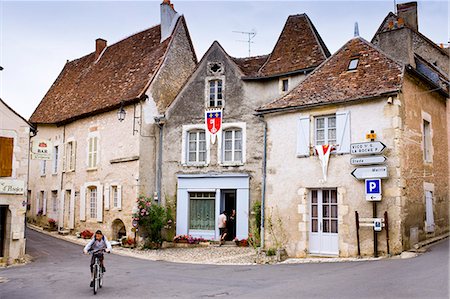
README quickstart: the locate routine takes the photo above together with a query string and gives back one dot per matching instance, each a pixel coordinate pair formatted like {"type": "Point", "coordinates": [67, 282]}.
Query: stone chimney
{"type": "Point", "coordinates": [100, 45]}
{"type": "Point", "coordinates": [408, 12]}
{"type": "Point", "coordinates": [169, 19]}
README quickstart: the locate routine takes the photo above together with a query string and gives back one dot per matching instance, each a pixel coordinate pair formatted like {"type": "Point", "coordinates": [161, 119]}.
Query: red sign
{"type": "Point", "coordinates": [214, 121]}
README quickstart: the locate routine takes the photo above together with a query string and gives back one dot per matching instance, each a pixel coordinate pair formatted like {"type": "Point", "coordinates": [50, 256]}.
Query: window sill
{"type": "Point", "coordinates": [43, 175]}
{"type": "Point", "coordinates": [54, 174]}
{"type": "Point", "coordinates": [195, 164]}
{"type": "Point", "coordinates": [92, 169]}
{"type": "Point", "coordinates": [69, 171]}
{"type": "Point", "coordinates": [231, 164]}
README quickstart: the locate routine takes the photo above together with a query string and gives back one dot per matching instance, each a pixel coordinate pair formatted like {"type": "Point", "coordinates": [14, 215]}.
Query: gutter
{"type": "Point", "coordinates": [159, 121]}
{"type": "Point", "coordinates": [304, 71]}
{"type": "Point", "coordinates": [263, 187]}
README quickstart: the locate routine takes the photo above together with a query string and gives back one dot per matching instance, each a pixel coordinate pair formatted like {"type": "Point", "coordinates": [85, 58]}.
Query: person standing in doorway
{"type": "Point", "coordinates": [231, 225]}
{"type": "Point", "coordinates": [222, 224]}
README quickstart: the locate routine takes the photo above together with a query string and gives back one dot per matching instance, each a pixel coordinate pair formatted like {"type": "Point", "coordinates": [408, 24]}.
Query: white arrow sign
{"type": "Point", "coordinates": [363, 148]}
{"type": "Point", "coordinates": [374, 172]}
{"type": "Point", "coordinates": [369, 160]}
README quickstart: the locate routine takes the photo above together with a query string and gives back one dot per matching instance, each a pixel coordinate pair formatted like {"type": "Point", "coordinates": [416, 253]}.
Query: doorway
{"type": "Point", "coordinates": [228, 204]}
{"type": "Point", "coordinates": [3, 215]}
{"type": "Point", "coordinates": [323, 233]}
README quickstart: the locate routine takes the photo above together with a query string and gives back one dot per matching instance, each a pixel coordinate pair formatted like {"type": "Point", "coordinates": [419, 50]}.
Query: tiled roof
{"type": "Point", "coordinates": [250, 65]}
{"type": "Point", "coordinates": [375, 75]}
{"type": "Point", "coordinates": [121, 74]}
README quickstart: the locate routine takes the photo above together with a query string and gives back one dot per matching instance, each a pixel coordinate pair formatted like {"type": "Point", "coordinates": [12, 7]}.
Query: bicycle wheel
{"type": "Point", "coordinates": [95, 279]}
{"type": "Point", "coordinates": [100, 278]}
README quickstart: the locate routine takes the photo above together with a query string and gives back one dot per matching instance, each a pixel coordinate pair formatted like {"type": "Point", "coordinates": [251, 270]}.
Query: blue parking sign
{"type": "Point", "coordinates": [373, 186]}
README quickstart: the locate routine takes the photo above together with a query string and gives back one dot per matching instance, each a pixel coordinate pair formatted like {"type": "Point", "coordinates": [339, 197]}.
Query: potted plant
{"type": "Point", "coordinates": [86, 234]}
{"type": "Point", "coordinates": [52, 224]}
{"type": "Point", "coordinates": [241, 243]}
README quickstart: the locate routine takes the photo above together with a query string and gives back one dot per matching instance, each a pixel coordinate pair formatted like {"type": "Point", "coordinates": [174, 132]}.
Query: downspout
{"type": "Point", "coordinates": [263, 188]}
{"type": "Point", "coordinates": [31, 134]}
{"type": "Point", "coordinates": [159, 121]}
{"type": "Point", "coordinates": [62, 147]}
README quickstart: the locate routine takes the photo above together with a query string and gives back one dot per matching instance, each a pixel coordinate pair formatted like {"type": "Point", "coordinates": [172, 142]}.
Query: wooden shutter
{"type": "Point", "coordinates": [44, 205]}
{"type": "Point", "coordinates": [429, 213]}
{"type": "Point", "coordinates": [72, 210]}
{"type": "Point", "coordinates": [119, 197]}
{"type": "Point", "coordinates": [107, 197]}
{"type": "Point", "coordinates": [100, 203]}
{"type": "Point", "coordinates": [343, 132]}
{"type": "Point", "coordinates": [74, 155]}
{"type": "Point", "coordinates": [6, 156]}
{"type": "Point", "coordinates": [83, 203]}
{"type": "Point", "coordinates": [303, 139]}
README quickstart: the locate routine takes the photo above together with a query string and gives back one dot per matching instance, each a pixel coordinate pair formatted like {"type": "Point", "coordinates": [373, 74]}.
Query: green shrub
{"type": "Point", "coordinates": [151, 218]}
{"type": "Point", "coordinates": [271, 252]}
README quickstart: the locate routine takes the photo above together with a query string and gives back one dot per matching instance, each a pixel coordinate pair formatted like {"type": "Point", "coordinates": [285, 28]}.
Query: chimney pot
{"type": "Point", "coordinates": [100, 45]}
{"type": "Point", "coordinates": [408, 12]}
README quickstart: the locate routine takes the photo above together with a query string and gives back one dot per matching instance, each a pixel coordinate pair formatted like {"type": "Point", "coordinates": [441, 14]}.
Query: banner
{"type": "Point", "coordinates": [324, 156]}
{"type": "Point", "coordinates": [41, 150]}
{"type": "Point", "coordinates": [213, 118]}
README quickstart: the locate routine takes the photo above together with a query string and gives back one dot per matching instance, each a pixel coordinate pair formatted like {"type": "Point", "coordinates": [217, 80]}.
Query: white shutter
{"type": "Point", "coordinates": [74, 155]}
{"type": "Point", "coordinates": [72, 210]}
{"type": "Point", "coordinates": [303, 145]}
{"type": "Point", "coordinates": [107, 197]}
{"type": "Point", "coordinates": [44, 205]}
{"type": "Point", "coordinates": [119, 197]}
{"type": "Point", "coordinates": [343, 132]}
{"type": "Point", "coordinates": [37, 202]}
{"type": "Point", "coordinates": [429, 222]}
{"type": "Point", "coordinates": [83, 203]}
{"type": "Point", "coordinates": [64, 162]}
{"type": "Point", "coordinates": [100, 203]}
{"type": "Point", "coordinates": [61, 209]}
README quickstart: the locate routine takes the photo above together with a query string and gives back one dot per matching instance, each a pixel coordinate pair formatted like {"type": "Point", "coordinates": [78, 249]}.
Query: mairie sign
{"type": "Point", "coordinates": [364, 148]}
{"type": "Point", "coordinates": [371, 172]}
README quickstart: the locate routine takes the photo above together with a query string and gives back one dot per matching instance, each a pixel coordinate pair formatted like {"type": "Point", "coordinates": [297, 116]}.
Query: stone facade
{"type": "Point", "coordinates": [12, 206]}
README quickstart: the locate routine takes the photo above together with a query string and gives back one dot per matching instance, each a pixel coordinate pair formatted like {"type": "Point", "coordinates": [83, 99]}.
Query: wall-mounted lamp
{"type": "Point", "coordinates": [1, 68]}
{"type": "Point", "coordinates": [121, 113]}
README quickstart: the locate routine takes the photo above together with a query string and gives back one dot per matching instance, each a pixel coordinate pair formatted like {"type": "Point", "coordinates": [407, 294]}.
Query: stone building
{"type": "Point", "coordinates": [365, 90]}
{"type": "Point", "coordinates": [14, 148]}
{"type": "Point", "coordinates": [102, 116]}
{"type": "Point", "coordinates": [205, 179]}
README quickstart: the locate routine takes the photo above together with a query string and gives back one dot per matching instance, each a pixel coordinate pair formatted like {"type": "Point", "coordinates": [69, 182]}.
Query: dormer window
{"type": "Point", "coordinates": [215, 93]}
{"type": "Point", "coordinates": [353, 64]}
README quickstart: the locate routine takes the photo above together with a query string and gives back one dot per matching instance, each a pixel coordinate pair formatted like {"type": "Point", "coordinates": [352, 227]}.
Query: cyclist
{"type": "Point", "coordinates": [98, 242]}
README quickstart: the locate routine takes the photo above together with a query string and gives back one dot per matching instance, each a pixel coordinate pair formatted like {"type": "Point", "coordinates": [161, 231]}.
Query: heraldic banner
{"type": "Point", "coordinates": [324, 156]}
{"type": "Point", "coordinates": [213, 118]}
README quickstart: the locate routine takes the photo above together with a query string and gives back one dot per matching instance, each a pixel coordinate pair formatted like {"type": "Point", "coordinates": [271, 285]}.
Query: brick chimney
{"type": "Point", "coordinates": [408, 11]}
{"type": "Point", "coordinates": [169, 19]}
{"type": "Point", "coordinates": [100, 45]}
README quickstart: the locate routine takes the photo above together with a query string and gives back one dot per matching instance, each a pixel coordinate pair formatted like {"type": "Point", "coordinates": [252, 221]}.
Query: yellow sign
{"type": "Point", "coordinates": [371, 136]}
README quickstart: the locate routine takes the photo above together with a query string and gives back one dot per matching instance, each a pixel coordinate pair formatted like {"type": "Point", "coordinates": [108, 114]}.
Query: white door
{"type": "Point", "coordinates": [429, 215]}
{"type": "Point", "coordinates": [323, 233]}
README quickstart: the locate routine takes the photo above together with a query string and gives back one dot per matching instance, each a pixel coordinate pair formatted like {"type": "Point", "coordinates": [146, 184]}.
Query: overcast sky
{"type": "Point", "coordinates": [36, 38]}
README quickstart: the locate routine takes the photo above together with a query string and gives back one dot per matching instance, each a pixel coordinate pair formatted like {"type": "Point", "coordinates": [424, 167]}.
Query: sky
{"type": "Point", "coordinates": [37, 38]}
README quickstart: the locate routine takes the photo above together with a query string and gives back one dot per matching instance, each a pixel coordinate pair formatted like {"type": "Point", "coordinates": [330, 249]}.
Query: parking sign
{"type": "Point", "coordinates": [373, 189]}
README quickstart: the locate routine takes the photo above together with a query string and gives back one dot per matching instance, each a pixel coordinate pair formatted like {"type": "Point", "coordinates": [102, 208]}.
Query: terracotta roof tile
{"type": "Point", "coordinates": [250, 65]}
{"type": "Point", "coordinates": [376, 74]}
{"type": "Point", "coordinates": [121, 74]}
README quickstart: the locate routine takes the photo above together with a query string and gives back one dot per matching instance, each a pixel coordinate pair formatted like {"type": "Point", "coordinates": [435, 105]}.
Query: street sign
{"type": "Point", "coordinates": [371, 172]}
{"type": "Point", "coordinates": [364, 148]}
{"type": "Point", "coordinates": [378, 224]}
{"type": "Point", "coordinates": [373, 189]}
{"type": "Point", "coordinates": [368, 160]}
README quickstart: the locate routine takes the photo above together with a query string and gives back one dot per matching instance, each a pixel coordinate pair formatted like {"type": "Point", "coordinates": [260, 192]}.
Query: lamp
{"type": "Point", "coordinates": [121, 113]}
{"type": "Point", "coordinates": [1, 68]}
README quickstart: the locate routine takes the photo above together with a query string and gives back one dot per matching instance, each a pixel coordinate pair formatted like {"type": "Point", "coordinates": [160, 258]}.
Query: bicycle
{"type": "Point", "coordinates": [97, 269]}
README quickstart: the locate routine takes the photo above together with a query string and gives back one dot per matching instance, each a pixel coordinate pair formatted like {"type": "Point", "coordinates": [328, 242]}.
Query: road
{"type": "Point", "coordinates": [61, 271]}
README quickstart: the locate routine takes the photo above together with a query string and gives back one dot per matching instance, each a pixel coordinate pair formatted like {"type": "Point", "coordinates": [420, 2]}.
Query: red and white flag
{"type": "Point", "coordinates": [213, 119]}
{"type": "Point", "coordinates": [324, 156]}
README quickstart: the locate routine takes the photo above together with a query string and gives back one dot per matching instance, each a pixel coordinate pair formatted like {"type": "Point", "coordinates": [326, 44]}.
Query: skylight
{"type": "Point", "coordinates": [353, 64]}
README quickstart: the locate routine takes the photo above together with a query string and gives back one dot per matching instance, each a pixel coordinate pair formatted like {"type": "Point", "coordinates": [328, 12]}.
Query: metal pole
{"type": "Point", "coordinates": [357, 232]}
{"type": "Point", "coordinates": [375, 241]}
{"type": "Point", "coordinates": [386, 224]}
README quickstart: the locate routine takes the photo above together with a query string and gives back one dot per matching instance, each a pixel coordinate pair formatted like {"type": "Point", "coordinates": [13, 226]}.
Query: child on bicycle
{"type": "Point", "coordinates": [98, 242]}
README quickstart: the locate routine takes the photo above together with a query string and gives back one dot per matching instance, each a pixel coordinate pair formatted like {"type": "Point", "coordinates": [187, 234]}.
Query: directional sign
{"type": "Point", "coordinates": [373, 189]}
{"type": "Point", "coordinates": [364, 148]}
{"type": "Point", "coordinates": [369, 160]}
{"type": "Point", "coordinates": [371, 172]}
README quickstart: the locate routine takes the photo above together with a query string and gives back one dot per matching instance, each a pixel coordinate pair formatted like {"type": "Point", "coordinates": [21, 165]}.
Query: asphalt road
{"type": "Point", "coordinates": [61, 271]}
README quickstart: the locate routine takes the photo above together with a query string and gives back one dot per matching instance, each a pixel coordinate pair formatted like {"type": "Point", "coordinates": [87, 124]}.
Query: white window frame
{"type": "Point", "coordinates": [91, 152]}
{"type": "Point", "coordinates": [350, 63]}
{"type": "Point", "coordinates": [55, 201]}
{"type": "Point", "coordinates": [207, 91]}
{"type": "Point", "coordinates": [55, 159]}
{"type": "Point", "coordinates": [427, 139]}
{"type": "Point", "coordinates": [43, 167]}
{"type": "Point", "coordinates": [185, 143]}
{"type": "Point", "coordinates": [70, 155]}
{"type": "Point", "coordinates": [92, 203]}
{"type": "Point", "coordinates": [221, 148]}
{"type": "Point", "coordinates": [115, 196]}
{"type": "Point", "coordinates": [326, 128]}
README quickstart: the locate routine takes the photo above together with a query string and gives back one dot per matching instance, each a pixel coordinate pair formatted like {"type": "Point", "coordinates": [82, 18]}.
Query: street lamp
{"type": "Point", "coordinates": [121, 113]}
{"type": "Point", "coordinates": [1, 69]}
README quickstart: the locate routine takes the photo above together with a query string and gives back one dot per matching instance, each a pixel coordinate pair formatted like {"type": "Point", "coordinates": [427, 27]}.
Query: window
{"type": "Point", "coordinates": [202, 210]}
{"type": "Point", "coordinates": [43, 167]}
{"type": "Point", "coordinates": [55, 159]}
{"type": "Point", "coordinates": [92, 202]}
{"type": "Point", "coordinates": [196, 144]}
{"type": "Point", "coordinates": [54, 200]}
{"type": "Point", "coordinates": [92, 152]}
{"type": "Point", "coordinates": [353, 64]}
{"type": "Point", "coordinates": [70, 155]}
{"type": "Point", "coordinates": [41, 201]}
{"type": "Point", "coordinates": [115, 196]}
{"type": "Point", "coordinates": [325, 130]}
{"type": "Point", "coordinates": [6, 156]}
{"type": "Point", "coordinates": [215, 93]}
{"type": "Point", "coordinates": [426, 139]}
{"type": "Point", "coordinates": [232, 146]}
{"type": "Point", "coordinates": [284, 85]}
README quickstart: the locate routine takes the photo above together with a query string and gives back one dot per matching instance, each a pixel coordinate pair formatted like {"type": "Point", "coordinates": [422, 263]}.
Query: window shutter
{"type": "Point", "coordinates": [61, 209]}
{"type": "Point", "coordinates": [64, 154]}
{"type": "Point", "coordinates": [107, 197]}
{"type": "Point", "coordinates": [303, 145]}
{"type": "Point", "coordinates": [100, 203]}
{"type": "Point", "coordinates": [429, 221]}
{"type": "Point", "coordinates": [6, 156]}
{"type": "Point", "coordinates": [72, 210]}
{"type": "Point", "coordinates": [119, 197]}
{"type": "Point", "coordinates": [83, 203]}
{"type": "Point", "coordinates": [37, 202]}
{"type": "Point", "coordinates": [343, 132]}
{"type": "Point", "coordinates": [44, 205]}
{"type": "Point", "coordinates": [74, 155]}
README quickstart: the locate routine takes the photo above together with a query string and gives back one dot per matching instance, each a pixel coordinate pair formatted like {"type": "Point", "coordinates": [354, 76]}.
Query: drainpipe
{"type": "Point", "coordinates": [263, 191]}
{"type": "Point", "coordinates": [32, 133]}
{"type": "Point", "coordinates": [61, 221]}
{"type": "Point", "coordinates": [160, 121]}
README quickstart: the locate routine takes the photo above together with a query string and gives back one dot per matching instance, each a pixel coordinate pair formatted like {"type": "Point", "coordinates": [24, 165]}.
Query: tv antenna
{"type": "Point", "coordinates": [249, 40]}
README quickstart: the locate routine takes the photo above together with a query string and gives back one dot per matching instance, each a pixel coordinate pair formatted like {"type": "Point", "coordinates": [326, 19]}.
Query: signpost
{"type": "Point", "coordinates": [371, 172]}
{"type": "Point", "coordinates": [364, 148]}
{"type": "Point", "coordinates": [369, 160]}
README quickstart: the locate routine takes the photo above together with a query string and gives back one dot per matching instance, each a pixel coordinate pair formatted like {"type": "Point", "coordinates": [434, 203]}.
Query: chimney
{"type": "Point", "coordinates": [408, 12]}
{"type": "Point", "coordinates": [169, 19]}
{"type": "Point", "coordinates": [100, 45]}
